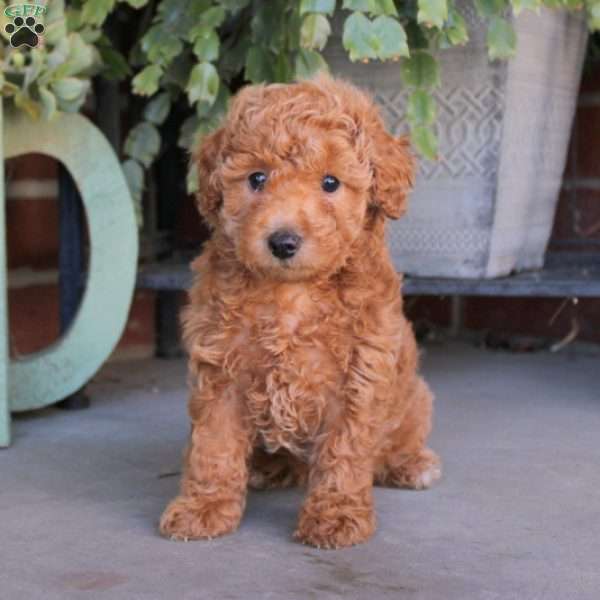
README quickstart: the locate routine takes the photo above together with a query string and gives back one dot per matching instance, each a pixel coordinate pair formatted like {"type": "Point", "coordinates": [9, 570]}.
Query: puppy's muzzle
{"type": "Point", "coordinates": [284, 244]}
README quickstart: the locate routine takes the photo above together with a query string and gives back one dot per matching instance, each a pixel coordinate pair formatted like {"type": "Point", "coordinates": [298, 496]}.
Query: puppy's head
{"type": "Point", "coordinates": [298, 173]}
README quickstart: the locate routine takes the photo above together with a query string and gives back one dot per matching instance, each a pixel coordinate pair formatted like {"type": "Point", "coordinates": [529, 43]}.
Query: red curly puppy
{"type": "Point", "coordinates": [303, 366]}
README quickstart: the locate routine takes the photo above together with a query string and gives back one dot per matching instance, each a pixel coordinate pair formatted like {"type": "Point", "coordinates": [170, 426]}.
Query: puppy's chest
{"type": "Point", "coordinates": [296, 351]}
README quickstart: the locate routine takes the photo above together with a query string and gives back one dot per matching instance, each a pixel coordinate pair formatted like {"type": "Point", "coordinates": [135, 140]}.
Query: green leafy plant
{"type": "Point", "coordinates": [55, 77]}
{"type": "Point", "coordinates": [195, 53]}
{"type": "Point", "coordinates": [205, 49]}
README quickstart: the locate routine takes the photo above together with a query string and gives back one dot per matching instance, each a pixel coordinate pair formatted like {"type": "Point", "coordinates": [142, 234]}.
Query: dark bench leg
{"type": "Point", "coordinates": [168, 343]}
{"type": "Point", "coordinates": [70, 262]}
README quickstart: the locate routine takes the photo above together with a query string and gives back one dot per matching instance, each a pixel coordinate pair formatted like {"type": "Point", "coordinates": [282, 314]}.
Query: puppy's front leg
{"type": "Point", "coordinates": [338, 510]}
{"type": "Point", "coordinates": [215, 476]}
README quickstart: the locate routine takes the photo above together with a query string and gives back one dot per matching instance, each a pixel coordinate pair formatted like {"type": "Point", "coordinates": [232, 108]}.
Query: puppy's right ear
{"type": "Point", "coordinates": [208, 158]}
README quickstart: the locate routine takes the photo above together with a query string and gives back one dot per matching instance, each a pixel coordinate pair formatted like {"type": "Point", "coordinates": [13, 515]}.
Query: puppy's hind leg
{"type": "Point", "coordinates": [278, 470]}
{"type": "Point", "coordinates": [405, 460]}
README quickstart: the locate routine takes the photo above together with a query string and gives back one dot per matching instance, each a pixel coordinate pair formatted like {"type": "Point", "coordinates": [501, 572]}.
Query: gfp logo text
{"type": "Point", "coordinates": [24, 10]}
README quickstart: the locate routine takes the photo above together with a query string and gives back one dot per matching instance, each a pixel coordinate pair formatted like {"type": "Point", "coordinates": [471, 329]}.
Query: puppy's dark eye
{"type": "Point", "coordinates": [257, 180]}
{"type": "Point", "coordinates": [330, 184]}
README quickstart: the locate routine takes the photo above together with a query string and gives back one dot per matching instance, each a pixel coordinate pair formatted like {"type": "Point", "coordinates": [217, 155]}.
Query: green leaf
{"type": "Point", "coordinates": [73, 18]}
{"type": "Point", "coordinates": [178, 71]}
{"type": "Point", "coordinates": [48, 101]}
{"type": "Point", "coordinates": [360, 5]}
{"type": "Point", "coordinates": [179, 16]}
{"type": "Point", "coordinates": [145, 83]}
{"type": "Point", "coordinates": [489, 8]}
{"type": "Point", "coordinates": [359, 39]}
{"type": "Point", "coordinates": [258, 65]}
{"type": "Point", "coordinates": [384, 7]}
{"type": "Point", "coordinates": [206, 47]}
{"type": "Point", "coordinates": [317, 6]}
{"type": "Point", "coordinates": [90, 35]}
{"type": "Point", "coordinates": [36, 64]}
{"type": "Point", "coordinates": [55, 22]}
{"type": "Point", "coordinates": [157, 110]}
{"type": "Point", "coordinates": [520, 5]}
{"type": "Point", "coordinates": [160, 45]}
{"type": "Point", "coordinates": [203, 85]}
{"type": "Point", "coordinates": [24, 102]}
{"type": "Point", "coordinates": [308, 63]}
{"type": "Point", "coordinates": [59, 54]}
{"type": "Point", "coordinates": [187, 133]}
{"type": "Point", "coordinates": [80, 58]}
{"type": "Point", "coordinates": [191, 180]}
{"type": "Point", "coordinates": [292, 32]}
{"type": "Point", "coordinates": [501, 39]}
{"type": "Point", "coordinates": [134, 175]}
{"type": "Point", "coordinates": [314, 32]}
{"type": "Point", "coordinates": [269, 26]}
{"type": "Point", "coordinates": [213, 17]}
{"type": "Point", "coordinates": [70, 88]}
{"type": "Point", "coordinates": [391, 37]}
{"type": "Point", "coordinates": [593, 10]}
{"type": "Point", "coordinates": [70, 93]}
{"type": "Point", "coordinates": [137, 3]}
{"type": "Point", "coordinates": [417, 38]}
{"type": "Point", "coordinates": [421, 70]}
{"type": "Point", "coordinates": [235, 6]}
{"type": "Point", "coordinates": [95, 12]}
{"type": "Point", "coordinates": [8, 88]}
{"type": "Point", "coordinates": [218, 108]}
{"type": "Point", "coordinates": [421, 109]}
{"type": "Point", "coordinates": [455, 32]}
{"type": "Point", "coordinates": [432, 13]}
{"type": "Point", "coordinates": [115, 67]}
{"type": "Point", "coordinates": [206, 126]}
{"type": "Point", "coordinates": [143, 143]}
{"type": "Point", "coordinates": [282, 69]}
{"type": "Point", "coordinates": [425, 141]}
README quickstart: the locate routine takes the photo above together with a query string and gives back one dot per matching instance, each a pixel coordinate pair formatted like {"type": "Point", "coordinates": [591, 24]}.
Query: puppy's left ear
{"type": "Point", "coordinates": [393, 171]}
{"type": "Point", "coordinates": [208, 157]}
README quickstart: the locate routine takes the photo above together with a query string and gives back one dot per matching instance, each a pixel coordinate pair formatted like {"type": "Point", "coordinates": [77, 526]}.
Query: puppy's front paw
{"type": "Point", "coordinates": [336, 520]}
{"type": "Point", "coordinates": [197, 518]}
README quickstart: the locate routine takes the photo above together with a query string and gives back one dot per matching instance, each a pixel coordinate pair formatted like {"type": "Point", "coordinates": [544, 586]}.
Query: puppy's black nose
{"type": "Point", "coordinates": [284, 244]}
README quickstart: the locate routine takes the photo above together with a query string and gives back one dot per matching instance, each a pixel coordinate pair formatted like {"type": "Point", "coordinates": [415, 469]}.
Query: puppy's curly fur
{"type": "Point", "coordinates": [303, 370]}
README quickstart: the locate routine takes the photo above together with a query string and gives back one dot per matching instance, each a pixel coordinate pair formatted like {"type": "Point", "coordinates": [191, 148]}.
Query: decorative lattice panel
{"type": "Point", "coordinates": [469, 129]}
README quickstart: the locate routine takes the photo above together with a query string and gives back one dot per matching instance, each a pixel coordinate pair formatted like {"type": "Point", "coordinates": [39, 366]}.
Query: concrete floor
{"type": "Point", "coordinates": [517, 514]}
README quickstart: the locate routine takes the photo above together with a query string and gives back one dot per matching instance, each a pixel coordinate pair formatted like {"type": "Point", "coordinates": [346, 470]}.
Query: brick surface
{"type": "Point", "coordinates": [587, 214]}
{"type": "Point", "coordinates": [590, 80]}
{"type": "Point", "coordinates": [428, 309]}
{"type": "Point", "coordinates": [563, 221]}
{"type": "Point", "coordinates": [533, 316]}
{"type": "Point", "coordinates": [31, 166]}
{"type": "Point", "coordinates": [33, 318]}
{"type": "Point", "coordinates": [190, 229]}
{"type": "Point", "coordinates": [139, 331]}
{"type": "Point", "coordinates": [32, 232]}
{"type": "Point", "coordinates": [34, 321]}
{"type": "Point", "coordinates": [588, 141]}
